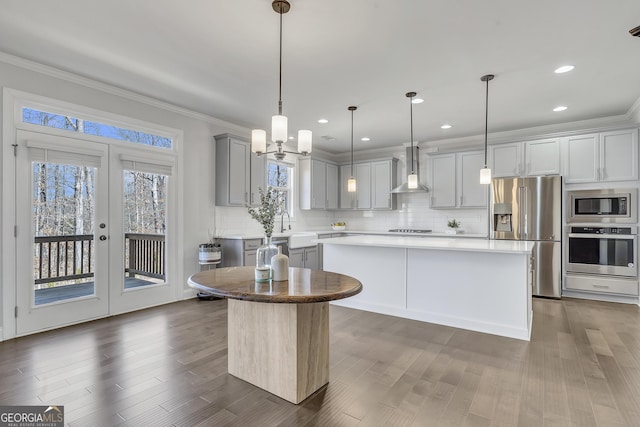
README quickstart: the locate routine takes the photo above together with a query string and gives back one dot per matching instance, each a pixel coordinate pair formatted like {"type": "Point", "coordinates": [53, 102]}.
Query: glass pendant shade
{"type": "Point", "coordinates": [279, 128]}
{"type": "Point", "coordinates": [258, 141]}
{"type": "Point", "coordinates": [304, 141]}
{"type": "Point", "coordinates": [485, 175]}
{"type": "Point", "coordinates": [351, 185]}
{"type": "Point", "coordinates": [412, 181]}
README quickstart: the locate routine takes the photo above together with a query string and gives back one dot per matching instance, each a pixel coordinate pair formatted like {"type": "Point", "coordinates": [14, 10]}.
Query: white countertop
{"type": "Point", "coordinates": [363, 232]}
{"type": "Point", "coordinates": [439, 243]}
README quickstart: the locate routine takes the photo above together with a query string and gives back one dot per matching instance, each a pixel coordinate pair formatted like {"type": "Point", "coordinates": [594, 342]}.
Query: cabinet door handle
{"type": "Point", "coordinates": [245, 196]}
{"type": "Point", "coordinates": [461, 201]}
{"type": "Point", "coordinates": [601, 286]}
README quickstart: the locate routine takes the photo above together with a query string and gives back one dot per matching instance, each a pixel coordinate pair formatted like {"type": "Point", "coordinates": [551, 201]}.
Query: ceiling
{"type": "Point", "coordinates": [220, 58]}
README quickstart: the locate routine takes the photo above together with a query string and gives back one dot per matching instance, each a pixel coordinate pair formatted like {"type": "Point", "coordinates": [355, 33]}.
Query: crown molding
{"type": "Point", "coordinates": [533, 133]}
{"type": "Point", "coordinates": [634, 112]}
{"type": "Point", "coordinates": [114, 90]}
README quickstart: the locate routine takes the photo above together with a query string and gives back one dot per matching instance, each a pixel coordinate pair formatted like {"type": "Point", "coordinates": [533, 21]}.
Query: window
{"type": "Point", "coordinates": [280, 177]}
{"type": "Point", "coordinates": [58, 121]}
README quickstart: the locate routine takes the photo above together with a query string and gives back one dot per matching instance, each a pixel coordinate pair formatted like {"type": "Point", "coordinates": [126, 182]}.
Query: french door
{"type": "Point", "coordinates": [92, 231]}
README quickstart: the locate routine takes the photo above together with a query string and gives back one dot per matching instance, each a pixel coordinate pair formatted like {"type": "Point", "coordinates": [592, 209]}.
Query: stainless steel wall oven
{"type": "Point", "coordinates": [602, 250]}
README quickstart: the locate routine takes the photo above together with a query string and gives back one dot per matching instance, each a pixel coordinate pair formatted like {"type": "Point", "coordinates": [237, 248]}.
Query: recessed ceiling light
{"type": "Point", "coordinates": [564, 69]}
{"type": "Point", "coordinates": [445, 126]}
{"type": "Point", "coordinates": [559, 108]}
{"type": "Point", "coordinates": [291, 137]}
{"type": "Point", "coordinates": [323, 121]}
{"type": "Point", "coordinates": [365, 138]}
{"type": "Point", "coordinates": [417, 101]}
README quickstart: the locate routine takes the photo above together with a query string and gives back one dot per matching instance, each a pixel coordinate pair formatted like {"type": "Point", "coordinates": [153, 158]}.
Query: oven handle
{"type": "Point", "coordinates": [600, 236]}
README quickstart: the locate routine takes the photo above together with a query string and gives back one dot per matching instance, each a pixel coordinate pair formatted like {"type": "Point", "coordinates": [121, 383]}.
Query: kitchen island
{"type": "Point", "coordinates": [476, 284]}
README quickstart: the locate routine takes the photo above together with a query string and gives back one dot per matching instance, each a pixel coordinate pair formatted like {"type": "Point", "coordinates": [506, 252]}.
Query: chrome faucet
{"type": "Point", "coordinates": [284, 212]}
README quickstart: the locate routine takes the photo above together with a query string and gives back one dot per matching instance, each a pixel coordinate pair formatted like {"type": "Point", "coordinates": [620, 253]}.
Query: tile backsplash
{"type": "Point", "coordinates": [413, 212]}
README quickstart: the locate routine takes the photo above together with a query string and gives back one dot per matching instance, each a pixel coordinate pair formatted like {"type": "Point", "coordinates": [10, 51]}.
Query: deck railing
{"type": "Point", "coordinates": [146, 255]}
{"type": "Point", "coordinates": [63, 258]}
{"type": "Point", "coordinates": [59, 258]}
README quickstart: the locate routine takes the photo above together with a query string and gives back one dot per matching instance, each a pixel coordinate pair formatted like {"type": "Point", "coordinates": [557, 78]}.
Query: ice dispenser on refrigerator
{"type": "Point", "coordinates": [502, 213]}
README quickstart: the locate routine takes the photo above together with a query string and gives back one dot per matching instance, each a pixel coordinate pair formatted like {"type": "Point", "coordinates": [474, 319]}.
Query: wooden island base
{"type": "Point", "coordinates": [281, 348]}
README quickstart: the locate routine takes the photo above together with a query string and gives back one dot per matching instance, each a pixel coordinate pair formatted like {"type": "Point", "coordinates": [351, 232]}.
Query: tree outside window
{"type": "Point", "coordinates": [280, 177]}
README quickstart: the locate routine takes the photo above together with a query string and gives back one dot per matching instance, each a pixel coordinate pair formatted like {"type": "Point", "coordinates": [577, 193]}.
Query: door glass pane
{"type": "Point", "coordinates": [145, 207]}
{"type": "Point", "coordinates": [63, 220]}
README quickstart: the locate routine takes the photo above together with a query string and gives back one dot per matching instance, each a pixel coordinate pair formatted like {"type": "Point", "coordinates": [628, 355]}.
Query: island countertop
{"type": "Point", "coordinates": [439, 243]}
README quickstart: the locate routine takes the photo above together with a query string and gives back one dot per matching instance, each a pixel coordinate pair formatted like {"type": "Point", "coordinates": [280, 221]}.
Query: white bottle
{"type": "Point", "coordinates": [280, 266]}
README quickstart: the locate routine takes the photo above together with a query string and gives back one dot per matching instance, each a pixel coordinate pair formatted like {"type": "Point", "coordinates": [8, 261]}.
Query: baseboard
{"type": "Point", "coordinates": [189, 294]}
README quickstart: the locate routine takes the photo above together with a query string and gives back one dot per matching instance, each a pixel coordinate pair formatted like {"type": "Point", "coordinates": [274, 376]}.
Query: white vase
{"type": "Point", "coordinates": [280, 266]}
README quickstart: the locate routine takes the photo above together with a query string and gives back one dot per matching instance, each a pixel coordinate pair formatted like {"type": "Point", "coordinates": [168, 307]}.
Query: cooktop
{"type": "Point", "coordinates": [408, 230]}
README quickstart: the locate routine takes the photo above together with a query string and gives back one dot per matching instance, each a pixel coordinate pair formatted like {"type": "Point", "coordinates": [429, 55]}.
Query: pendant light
{"type": "Point", "coordinates": [485, 172]}
{"type": "Point", "coordinates": [413, 182]}
{"type": "Point", "coordinates": [412, 179]}
{"type": "Point", "coordinates": [279, 132]}
{"type": "Point", "coordinates": [351, 182]}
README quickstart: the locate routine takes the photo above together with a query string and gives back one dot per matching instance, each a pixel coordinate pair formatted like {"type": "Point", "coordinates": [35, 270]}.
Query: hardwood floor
{"type": "Point", "coordinates": [168, 366]}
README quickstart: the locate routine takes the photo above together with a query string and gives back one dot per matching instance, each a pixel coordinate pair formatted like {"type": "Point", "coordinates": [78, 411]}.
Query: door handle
{"type": "Point", "coordinates": [103, 237]}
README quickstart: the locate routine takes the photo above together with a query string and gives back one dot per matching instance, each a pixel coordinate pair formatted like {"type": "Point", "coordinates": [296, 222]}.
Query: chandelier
{"type": "Point", "coordinates": [279, 132]}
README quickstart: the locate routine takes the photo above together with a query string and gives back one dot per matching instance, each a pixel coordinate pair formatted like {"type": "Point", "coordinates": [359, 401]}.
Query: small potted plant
{"type": "Point", "coordinates": [453, 225]}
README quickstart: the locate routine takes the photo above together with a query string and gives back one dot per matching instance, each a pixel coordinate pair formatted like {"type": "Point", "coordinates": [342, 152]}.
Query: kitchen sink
{"type": "Point", "coordinates": [302, 239]}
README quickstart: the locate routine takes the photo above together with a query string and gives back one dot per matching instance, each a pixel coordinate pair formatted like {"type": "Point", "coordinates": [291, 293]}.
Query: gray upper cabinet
{"type": "Point", "coordinates": [455, 180]}
{"type": "Point", "coordinates": [257, 178]}
{"type": "Point", "coordinates": [363, 185]}
{"type": "Point", "coordinates": [332, 186]}
{"type": "Point", "coordinates": [239, 173]}
{"type": "Point", "coordinates": [374, 182]}
{"type": "Point", "coordinates": [531, 158]}
{"type": "Point", "coordinates": [383, 180]}
{"type": "Point", "coordinates": [318, 181]}
{"type": "Point", "coordinates": [347, 200]}
{"type": "Point", "coordinates": [232, 170]}
{"type": "Point", "coordinates": [602, 157]}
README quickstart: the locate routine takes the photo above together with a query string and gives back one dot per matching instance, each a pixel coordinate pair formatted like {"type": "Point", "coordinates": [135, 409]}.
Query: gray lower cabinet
{"type": "Point", "coordinates": [239, 252]}
{"type": "Point", "coordinates": [304, 257]}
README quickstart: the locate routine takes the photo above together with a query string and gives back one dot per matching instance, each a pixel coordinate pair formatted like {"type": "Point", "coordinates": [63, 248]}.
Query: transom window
{"type": "Point", "coordinates": [280, 177]}
{"type": "Point", "coordinates": [73, 124]}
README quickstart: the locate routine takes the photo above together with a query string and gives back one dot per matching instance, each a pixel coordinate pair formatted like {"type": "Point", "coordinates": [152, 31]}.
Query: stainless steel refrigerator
{"type": "Point", "coordinates": [531, 209]}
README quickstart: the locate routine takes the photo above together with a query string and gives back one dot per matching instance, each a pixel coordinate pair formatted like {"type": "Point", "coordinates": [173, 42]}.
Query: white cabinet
{"type": "Point", "coordinates": [602, 157]}
{"type": "Point", "coordinates": [232, 170]}
{"type": "Point", "coordinates": [455, 180]}
{"type": "Point", "coordinates": [531, 158]}
{"type": "Point", "coordinates": [318, 184]}
{"type": "Point", "coordinates": [304, 257]}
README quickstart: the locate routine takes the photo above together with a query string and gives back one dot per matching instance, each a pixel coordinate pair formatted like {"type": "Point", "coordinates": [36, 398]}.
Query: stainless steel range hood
{"type": "Point", "coordinates": [404, 188]}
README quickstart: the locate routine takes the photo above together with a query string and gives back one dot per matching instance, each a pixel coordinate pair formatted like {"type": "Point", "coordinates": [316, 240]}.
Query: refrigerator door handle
{"type": "Point", "coordinates": [522, 215]}
{"type": "Point", "coordinates": [525, 205]}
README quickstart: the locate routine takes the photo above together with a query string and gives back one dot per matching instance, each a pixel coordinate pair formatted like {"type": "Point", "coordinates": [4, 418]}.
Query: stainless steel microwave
{"type": "Point", "coordinates": [607, 206]}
